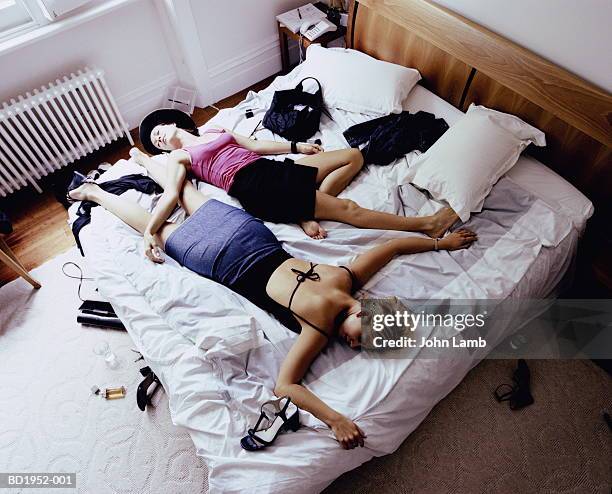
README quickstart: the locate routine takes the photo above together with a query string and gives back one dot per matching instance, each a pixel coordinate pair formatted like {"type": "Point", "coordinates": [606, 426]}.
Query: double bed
{"type": "Point", "coordinates": [218, 355]}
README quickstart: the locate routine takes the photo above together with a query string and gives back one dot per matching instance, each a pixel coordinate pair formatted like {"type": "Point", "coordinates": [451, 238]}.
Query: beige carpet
{"type": "Point", "coordinates": [49, 419]}
{"type": "Point", "coordinates": [471, 444]}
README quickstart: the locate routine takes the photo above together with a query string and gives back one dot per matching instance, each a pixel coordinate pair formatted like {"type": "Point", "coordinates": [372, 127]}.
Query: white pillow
{"type": "Point", "coordinates": [357, 82]}
{"type": "Point", "coordinates": [465, 163]}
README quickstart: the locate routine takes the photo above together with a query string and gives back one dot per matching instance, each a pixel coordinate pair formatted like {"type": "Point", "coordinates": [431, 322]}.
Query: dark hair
{"type": "Point", "coordinates": [164, 116]}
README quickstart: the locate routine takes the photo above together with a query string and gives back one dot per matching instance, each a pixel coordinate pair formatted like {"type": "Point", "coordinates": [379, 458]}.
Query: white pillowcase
{"type": "Point", "coordinates": [465, 163]}
{"type": "Point", "coordinates": [357, 82]}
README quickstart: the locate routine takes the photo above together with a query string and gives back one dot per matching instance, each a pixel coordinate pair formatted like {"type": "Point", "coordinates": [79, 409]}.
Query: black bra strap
{"type": "Point", "coordinates": [301, 277]}
{"type": "Point", "coordinates": [354, 281]}
{"type": "Point", "coordinates": [310, 324]}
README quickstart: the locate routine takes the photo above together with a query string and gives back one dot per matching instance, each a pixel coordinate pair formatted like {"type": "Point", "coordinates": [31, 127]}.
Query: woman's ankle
{"type": "Point", "coordinates": [88, 191]}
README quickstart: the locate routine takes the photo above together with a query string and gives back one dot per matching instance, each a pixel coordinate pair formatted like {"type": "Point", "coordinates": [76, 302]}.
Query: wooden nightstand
{"type": "Point", "coordinates": [284, 34]}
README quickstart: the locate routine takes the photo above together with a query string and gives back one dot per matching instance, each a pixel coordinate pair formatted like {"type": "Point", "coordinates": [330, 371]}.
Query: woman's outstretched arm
{"type": "Point", "coordinates": [175, 177]}
{"type": "Point", "coordinates": [369, 263]}
{"type": "Point", "coordinates": [272, 147]}
{"type": "Point", "coordinates": [307, 347]}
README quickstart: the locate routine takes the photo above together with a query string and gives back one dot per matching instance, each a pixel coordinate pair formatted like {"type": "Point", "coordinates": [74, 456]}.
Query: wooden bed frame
{"type": "Point", "coordinates": [464, 63]}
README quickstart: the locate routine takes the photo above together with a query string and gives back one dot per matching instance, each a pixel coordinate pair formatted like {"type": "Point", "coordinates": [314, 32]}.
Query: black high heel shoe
{"type": "Point", "coordinates": [78, 179]}
{"type": "Point", "coordinates": [147, 388]}
{"type": "Point", "coordinates": [276, 416]}
{"type": "Point", "coordinates": [519, 395]}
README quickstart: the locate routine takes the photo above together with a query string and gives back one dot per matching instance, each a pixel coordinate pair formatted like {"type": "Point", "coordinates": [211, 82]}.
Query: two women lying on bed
{"type": "Point", "coordinates": [281, 192]}
{"type": "Point", "coordinates": [231, 247]}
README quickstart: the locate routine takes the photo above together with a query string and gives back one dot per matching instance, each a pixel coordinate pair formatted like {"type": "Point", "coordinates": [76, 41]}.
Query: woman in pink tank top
{"type": "Point", "coordinates": [299, 191]}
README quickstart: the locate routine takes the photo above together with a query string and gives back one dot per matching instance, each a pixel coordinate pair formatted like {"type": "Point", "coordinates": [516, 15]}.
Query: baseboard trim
{"type": "Point", "coordinates": [137, 103]}
{"type": "Point", "coordinates": [226, 78]}
{"type": "Point", "coordinates": [269, 45]}
{"type": "Point", "coordinates": [242, 71]}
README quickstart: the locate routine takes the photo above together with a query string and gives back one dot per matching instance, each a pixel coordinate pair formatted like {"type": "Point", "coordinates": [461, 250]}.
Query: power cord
{"type": "Point", "coordinates": [255, 130]}
{"type": "Point", "coordinates": [80, 277]}
{"type": "Point", "coordinates": [301, 46]}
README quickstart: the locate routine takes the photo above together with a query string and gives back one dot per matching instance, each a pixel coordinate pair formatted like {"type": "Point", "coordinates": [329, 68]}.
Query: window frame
{"type": "Point", "coordinates": [35, 9]}
{"type": "Point", "coordinates": [19, 18]}
{"type": "Point", "coordinates": [30, 9]}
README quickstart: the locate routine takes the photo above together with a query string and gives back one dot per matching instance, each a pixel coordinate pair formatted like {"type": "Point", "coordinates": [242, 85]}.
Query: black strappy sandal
{"type": "Point", "coordinates": [276, 416]}
{"type": "Point", "coordinates": [94, 174]}
{"type": "Point", "coordinates": [518, 394]}
{"type": "Point", "coordinates": [78, 179]}
{"type": "Point", "coordinates": [147, 388]}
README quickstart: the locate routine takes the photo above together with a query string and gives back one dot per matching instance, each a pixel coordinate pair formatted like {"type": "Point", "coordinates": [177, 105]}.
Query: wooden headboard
{"type": "Point", "coordinates": [463, 63]}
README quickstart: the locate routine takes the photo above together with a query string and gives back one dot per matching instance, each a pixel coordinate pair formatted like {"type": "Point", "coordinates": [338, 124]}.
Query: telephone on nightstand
{"type": "Point", "coordinates": [312, 31]}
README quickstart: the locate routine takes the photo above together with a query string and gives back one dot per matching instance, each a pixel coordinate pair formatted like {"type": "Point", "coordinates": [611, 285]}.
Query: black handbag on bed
{"type": "Point", "coordinates": [295, 114]}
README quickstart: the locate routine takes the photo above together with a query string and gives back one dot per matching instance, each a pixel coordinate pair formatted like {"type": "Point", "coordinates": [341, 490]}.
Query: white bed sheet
{"type": "Point", "coordinates": [195, 333]}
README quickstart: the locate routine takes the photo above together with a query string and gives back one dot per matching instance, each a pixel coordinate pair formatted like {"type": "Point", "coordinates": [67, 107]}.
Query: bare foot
{"type": "Point", "coordinates": [83, 193]}
{"type": "Point", "coordinates": [313, 229]}
{"type": "Point", "coordinates": [440, 222]}
{"type": "Point", "coordinates": [138, 155]}
{"type": "Point", "coordinates": [460, 239]}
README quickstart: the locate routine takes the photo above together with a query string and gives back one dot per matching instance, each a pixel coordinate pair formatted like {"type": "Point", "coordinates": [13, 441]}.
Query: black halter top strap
{"type": "Point", "coordinates": [354, 282]}
{"type": "Point", "coordinates": [301, 277]}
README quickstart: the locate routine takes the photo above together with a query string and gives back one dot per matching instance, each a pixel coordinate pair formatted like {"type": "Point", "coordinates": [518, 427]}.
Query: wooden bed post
{"type": "Point", "coordinates": [350, 27]}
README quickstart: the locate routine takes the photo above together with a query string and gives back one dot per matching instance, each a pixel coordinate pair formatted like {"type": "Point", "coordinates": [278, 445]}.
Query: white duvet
{"type": "Point", "coordinates": [218, 355]}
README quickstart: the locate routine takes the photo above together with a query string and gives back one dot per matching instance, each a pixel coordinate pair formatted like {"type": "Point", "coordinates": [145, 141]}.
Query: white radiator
{"type": "Point", "coordinates": [54, 126]}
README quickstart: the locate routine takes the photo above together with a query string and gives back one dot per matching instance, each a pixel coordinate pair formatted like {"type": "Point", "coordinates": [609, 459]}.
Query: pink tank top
{"type": "Point", "coordinates": [218, 161]}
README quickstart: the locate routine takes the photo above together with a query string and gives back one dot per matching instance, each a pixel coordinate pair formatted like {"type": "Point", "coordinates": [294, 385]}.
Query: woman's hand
{"type": "Point", "coordinates": [348, 434]}
{"type": "Point", "coordinates": [307, 148]}
{"type": "Point", "coordinates": [152, 249]}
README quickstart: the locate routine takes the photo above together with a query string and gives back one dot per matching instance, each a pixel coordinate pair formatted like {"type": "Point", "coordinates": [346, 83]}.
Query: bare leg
{"type": "Point", "coordinates": [128, 212]}
{"type": "Point", "coordinates": [331, 208]}
{"type": "Point", "coordinates": [156, 171]}
{"type": "Point", "coordinates": [336, 169]}
{"type": "Point", "coordinates": [189, 196]}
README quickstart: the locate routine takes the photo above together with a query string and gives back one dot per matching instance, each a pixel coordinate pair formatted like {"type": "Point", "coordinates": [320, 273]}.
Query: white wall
{"type": "Point", "coordinates": [574, 34]}
{"type": "Point", "coordinates": [239, 41]}
{"type": "Point", "coordinates": [126, 43]}
{"type": "Point", "coordinates": [145, 46]}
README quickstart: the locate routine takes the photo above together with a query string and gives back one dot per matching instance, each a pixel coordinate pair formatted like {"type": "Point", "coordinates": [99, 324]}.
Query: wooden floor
{"type": "Point", "coordinates": [40, 228]}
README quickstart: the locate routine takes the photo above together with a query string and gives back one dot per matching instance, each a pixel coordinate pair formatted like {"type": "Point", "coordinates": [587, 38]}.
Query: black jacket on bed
{"type": "Point", "coordinates": [392, 136]}
{"type": "Point", "coordinates": [136, 181]}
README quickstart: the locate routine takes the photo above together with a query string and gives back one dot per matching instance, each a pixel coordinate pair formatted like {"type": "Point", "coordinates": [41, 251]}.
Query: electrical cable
{"type": "Point", "coordinates": [81, 278]}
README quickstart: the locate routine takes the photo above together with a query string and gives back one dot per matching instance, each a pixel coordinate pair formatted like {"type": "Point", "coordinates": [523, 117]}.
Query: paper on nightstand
{"type": "Point", "coordinates": [292, 20]}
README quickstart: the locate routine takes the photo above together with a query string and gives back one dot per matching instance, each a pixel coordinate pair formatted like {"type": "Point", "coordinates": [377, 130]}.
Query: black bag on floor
{"type": "Point", "coordinates": [295, 114]}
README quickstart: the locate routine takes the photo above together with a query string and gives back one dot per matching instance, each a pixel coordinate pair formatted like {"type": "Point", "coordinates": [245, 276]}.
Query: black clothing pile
{"type": "Point", "coordinates": [395, 135]}
{"type": "Point", "coordinates": [136, 181]}
{"type": "Point", "coordinates": [5, 223]}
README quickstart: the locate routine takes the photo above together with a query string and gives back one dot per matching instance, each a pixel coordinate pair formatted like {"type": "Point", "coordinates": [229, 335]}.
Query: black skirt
{"type": "Point", "coordinates": [277, 191]}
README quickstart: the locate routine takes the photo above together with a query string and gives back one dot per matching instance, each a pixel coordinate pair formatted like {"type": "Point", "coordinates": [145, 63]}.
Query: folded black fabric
{"type": "Point", "coordinates": [392, 136]}
{"type": "Point", "coordinates": [136, 181]}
